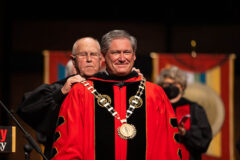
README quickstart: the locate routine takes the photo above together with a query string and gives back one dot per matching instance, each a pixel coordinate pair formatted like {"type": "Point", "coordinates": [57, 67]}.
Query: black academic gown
{"type": "Point", "coordinates": [40, 108]}
{"type": "Point", "coordinates": [199, 135]}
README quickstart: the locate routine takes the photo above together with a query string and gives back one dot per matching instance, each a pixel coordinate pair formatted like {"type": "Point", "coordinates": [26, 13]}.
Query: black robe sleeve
{"type": "Point", "coordinates": [197, 139]}
{"type": "Point", "coordinates": [40, 107]}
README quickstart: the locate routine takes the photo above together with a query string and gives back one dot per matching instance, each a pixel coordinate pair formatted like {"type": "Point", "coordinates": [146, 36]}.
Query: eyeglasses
{"type": "Point", "coordinates": [86, 54]}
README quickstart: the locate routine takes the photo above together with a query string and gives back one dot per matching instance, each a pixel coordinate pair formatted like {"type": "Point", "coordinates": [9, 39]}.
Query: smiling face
{"type": "Point", "coordinates": [120, 57]}
{"type": "Point", "coordinates": [87, 56]}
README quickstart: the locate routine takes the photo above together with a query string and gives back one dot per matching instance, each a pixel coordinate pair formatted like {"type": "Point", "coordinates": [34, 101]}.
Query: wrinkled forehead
{"type": "Point", "coordinates": [87, 47]}
{"type": "Point", "coordinates": [120, 44]}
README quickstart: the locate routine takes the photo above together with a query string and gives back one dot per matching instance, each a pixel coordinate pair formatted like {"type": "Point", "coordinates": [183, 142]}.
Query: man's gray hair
{"type": "Point", "coordinates": [174, 73]}
{"type": "Point", "coordinates": [117, 34]}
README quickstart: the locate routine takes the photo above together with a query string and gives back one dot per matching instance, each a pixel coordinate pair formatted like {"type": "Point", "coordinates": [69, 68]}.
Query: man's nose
{"type": "Point", "coordinates": [122, 56]}
{"type": "Point", "coordinates": [89, 57]}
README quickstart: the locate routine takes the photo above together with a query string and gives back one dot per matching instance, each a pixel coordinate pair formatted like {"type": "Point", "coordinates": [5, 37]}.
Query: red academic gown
{"type": "Point", "coordinates": [87, 131]}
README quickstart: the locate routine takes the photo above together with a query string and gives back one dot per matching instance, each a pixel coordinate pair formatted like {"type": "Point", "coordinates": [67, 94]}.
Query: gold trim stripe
{"type": "Point", "coordinates": [231, 106]}
{"type": "Point", "coordinates": [155, 58]}
{"type": "Point", "coordinates": [213, 80]}
{"type": "Point", "coordinates": [13, 139]}
{"type": "Point", "coordinates": [46, 55]}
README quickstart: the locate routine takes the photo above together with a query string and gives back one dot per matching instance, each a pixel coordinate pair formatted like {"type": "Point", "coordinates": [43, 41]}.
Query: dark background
{"type": "Point", "coordinates": [29, 27]}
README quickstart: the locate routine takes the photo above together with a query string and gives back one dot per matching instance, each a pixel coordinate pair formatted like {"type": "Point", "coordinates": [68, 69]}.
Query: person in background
{"type": "Point", "coordinates": [70, 69]}
{"type": "Point", "coordinates": [194, 128]}
{"type": "Point", "coordinates": [116, 114]}
{"type": "Point", "coordinates": [40, 107]}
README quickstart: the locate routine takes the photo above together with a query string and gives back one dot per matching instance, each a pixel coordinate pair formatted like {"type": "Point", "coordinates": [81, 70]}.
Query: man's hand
{"type": "Point", "coordinates": [137, 70]}
{"type": "Point", "coordinates": [70, 81]}
{"type": "Point", "coordinates": [181, 129]}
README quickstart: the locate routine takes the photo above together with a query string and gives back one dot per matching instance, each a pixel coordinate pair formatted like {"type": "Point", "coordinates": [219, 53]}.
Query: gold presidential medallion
{"type": "Point", "coordinates": [126, 131]}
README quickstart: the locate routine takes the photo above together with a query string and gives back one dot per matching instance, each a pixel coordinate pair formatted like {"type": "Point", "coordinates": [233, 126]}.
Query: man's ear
{"type": "Point", "coordinates": [73, 61]}
{"type": "Point", "coordinates": [102, 62]}
{"type": "Point", "coordinates": [73, 57]}
{"type": "Point", "coordinates": [102, 59]}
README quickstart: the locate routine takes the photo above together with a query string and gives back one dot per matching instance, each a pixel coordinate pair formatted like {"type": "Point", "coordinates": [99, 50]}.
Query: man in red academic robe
{"type": "Point", "coordinates": [116, 114]}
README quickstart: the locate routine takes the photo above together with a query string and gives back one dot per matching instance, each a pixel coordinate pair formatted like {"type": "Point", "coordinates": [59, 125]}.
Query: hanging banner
{"type": "Point", "coordinates": [210, 83]}
{"type": "Point", "coordinates": [54, 65]}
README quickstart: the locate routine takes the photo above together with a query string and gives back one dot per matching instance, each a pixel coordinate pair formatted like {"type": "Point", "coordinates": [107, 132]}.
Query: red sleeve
{"type": "Point", "coordinates": [161, 125]}
{"type": "Point", "coordinates": [173, 150]}
{"type": "Point", "coordinates": [69, 131]}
